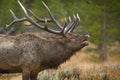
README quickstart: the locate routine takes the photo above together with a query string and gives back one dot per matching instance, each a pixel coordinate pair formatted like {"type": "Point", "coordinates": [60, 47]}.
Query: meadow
{"type": "Point", "coordinates": [85, 65]}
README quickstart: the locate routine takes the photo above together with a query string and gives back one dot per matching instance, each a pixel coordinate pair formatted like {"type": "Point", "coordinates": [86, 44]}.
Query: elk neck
{"type": "Point", "coordinates": [53, 53]}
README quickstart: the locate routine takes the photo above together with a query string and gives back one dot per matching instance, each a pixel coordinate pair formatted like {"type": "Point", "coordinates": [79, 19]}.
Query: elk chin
{"type": "Point", "coordinates": [79, 46]}
{"type": "Point", "coordinates": [85, 43]}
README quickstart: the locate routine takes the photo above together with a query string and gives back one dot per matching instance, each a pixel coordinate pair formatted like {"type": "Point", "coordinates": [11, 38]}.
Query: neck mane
{"type": "Point", "coordinates": [55, 53]}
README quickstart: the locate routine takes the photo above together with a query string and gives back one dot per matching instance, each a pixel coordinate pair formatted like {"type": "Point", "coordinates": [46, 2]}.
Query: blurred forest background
{"type": "Point", "coordinates": [99, 18]}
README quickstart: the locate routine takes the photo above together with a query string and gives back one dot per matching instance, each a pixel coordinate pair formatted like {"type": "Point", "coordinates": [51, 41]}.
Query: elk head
{"type": "Point", "coordinates": [65, 33]}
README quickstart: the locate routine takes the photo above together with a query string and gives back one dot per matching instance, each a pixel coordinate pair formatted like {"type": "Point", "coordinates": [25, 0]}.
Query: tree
{"type": "Point", "coordinates": [108, 31]}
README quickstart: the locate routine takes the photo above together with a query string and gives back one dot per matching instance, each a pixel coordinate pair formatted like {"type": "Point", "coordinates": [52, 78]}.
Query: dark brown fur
{"type": "Point", "coordinates": [29, 53]}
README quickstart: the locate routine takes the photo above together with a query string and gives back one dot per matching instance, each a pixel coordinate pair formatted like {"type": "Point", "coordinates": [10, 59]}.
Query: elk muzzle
{"type": "Point", "coordinates": [85, 38]}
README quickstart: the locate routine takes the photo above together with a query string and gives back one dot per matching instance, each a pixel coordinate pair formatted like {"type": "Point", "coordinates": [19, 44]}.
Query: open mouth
{"type": "Point", "coordinates": [85, 42]}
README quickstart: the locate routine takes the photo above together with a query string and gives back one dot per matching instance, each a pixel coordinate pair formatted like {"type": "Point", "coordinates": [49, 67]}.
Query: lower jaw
{"type": "Point", "coordinates": [85, 43]}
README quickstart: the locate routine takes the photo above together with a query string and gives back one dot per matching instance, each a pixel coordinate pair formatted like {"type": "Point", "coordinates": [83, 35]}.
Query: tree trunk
{"type": "Point", "coordinates": [103, 44]}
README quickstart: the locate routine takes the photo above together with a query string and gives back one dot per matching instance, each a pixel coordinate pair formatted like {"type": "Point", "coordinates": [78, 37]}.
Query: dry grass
{"type": "Point", "coordinates": [11, 77]}
{"type": "Point", "coordinates": [83, 66]}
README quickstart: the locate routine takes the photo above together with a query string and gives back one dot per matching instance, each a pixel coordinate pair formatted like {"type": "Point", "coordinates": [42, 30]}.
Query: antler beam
{"type": "Point", "coordinates": [69, 26]}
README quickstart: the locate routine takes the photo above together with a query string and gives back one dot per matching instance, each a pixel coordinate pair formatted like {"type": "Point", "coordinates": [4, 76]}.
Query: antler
{"type": "Point", "coordinates": [15, 19]}
{"type": "Point", "coordinates": [37, 18]}
{"type": "Point", "coordinates": [24, 19]}
{"type": "Point", "coordinates": [68, 27]}
{"type": "Point", "coordinates": [54, 20]}
{"type": "Point", "coordinates": [71, 23]}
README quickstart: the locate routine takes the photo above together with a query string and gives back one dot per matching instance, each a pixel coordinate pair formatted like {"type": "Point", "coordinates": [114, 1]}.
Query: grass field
{"type": "Point", "coordinates": [85, 65]}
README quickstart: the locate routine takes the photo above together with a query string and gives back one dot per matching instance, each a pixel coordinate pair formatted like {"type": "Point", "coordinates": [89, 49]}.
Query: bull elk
{"type": "Point", "coordinates": [29, 53]}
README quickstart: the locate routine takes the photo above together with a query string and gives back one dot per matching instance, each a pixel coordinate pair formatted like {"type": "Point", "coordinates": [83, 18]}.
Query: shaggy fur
{"type": "Point", "coordinates": [29, 53]}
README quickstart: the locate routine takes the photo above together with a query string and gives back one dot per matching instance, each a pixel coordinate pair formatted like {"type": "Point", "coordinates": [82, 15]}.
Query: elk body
{"type": "Point", "coordinates": [29, 53]}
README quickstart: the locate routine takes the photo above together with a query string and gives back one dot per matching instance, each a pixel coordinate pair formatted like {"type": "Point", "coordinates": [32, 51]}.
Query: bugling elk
{"type": "Point", "coordinates": [29, 53]}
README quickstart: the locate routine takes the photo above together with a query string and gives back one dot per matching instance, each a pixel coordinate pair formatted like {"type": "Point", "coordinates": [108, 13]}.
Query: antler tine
{"type": "Point", "coordinates": [74, 17]}
{"type": "Point", "coordinates": [73, 23]}
{"type": "Point", "coordinates": [37, 18]}
{"type": "Point", "coordinates": [54, 20]}
{"type": "Point", "coordinates": [69, 19]}
{"type": "Point", "coordinates": [38, 25]}
{"type": "Point", "coordinates": [70, 24]}
{"type": "Point", "coordinates": [61, 32]}
{"type": "Point", "coordinates": [65, 25]}
{"type": "Point", "coordinates": [13, 14]}
{"type": "Point", "coordinates": [76, 22]}
{"type": "Point", "coordinates": [15, 20]}
{"type": "Point", "coordinates": [78, 17]}
{"type": "Point", "coordinates": [65, 21]}
{"type": "Point", "coordinates": [28, 17]}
